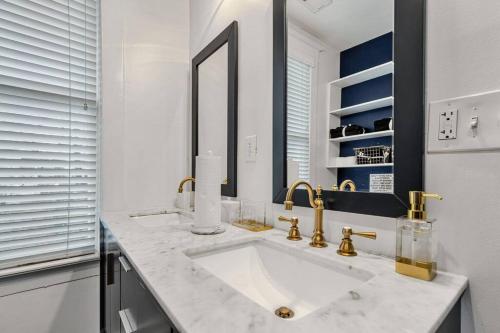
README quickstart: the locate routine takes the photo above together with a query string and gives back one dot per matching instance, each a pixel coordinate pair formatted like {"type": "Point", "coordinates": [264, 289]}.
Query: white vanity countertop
{"type": "Point", "coordinates": [197, 301]}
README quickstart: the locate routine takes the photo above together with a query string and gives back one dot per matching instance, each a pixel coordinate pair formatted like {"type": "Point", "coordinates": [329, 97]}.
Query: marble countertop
{"type": "Point", "coordinates": [197, 301]}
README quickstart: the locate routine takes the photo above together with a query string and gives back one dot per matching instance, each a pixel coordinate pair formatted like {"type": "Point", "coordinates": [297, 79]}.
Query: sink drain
{"type": "Point", "coordinates": [284, 312]}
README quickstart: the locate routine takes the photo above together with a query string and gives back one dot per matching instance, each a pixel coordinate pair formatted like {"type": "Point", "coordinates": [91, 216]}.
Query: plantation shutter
{"type": "Point", "coordinates": [48, 129]}
{"type": "Point", "coordinates": [299, 82]}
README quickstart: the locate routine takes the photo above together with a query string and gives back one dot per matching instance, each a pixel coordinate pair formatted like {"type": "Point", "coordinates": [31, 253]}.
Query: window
{"type": "Point", "coordinates": [299, 77]}
{"type": "Point", "coordinates": [48, 129]}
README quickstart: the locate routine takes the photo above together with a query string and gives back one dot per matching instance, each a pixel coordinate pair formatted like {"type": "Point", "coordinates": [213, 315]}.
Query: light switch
{"type": "Point", "coordinates": [251, 148]}
{"type": "Point", "coordinates": [464, 123]}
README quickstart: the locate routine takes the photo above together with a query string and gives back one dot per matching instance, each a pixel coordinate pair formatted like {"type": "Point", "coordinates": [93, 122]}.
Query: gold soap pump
{"type": "Point", "coordinates": [416, 243]}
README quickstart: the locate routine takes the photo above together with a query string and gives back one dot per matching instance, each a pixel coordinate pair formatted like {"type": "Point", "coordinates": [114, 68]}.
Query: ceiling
{"type": "Point", "coordinates": [344, 23]}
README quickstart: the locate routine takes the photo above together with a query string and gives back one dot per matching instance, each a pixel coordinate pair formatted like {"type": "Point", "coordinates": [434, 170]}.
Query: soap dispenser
{"type": "Point", "coordinates": [416, 241]}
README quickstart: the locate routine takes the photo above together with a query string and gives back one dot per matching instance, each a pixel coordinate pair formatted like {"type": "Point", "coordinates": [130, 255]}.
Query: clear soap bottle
{"type": "Point", "coordinates": [416, 241]}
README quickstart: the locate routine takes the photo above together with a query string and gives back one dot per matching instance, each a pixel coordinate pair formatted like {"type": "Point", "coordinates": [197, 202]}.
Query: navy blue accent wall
{"type": "Point", "coordinates": [365, 119]}
{"type": "Point", "coordinates": [366, 55]}
{"type": "Point", "coordinates": [370, 90]}
{"type": "Point", "coordinates": [358, 58]}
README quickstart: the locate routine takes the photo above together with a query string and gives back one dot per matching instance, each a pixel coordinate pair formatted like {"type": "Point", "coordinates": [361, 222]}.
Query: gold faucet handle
{"type": "Point", "coordinates": [347, 232]}
{"type": "Point", "coordinates": [293, 220]}
{"type": "Point", "coordinates": [294, 233]}
{"type": "Point", "coordinates": [346, 247]}
{"type": "Point", "coordinates": [366, 234]}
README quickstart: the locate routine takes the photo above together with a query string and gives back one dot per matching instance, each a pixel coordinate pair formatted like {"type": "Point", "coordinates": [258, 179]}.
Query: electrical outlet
{"type": "Point", "coordinates": [251, 148]}
{"type": "Point", "coordinates": [448, 125]}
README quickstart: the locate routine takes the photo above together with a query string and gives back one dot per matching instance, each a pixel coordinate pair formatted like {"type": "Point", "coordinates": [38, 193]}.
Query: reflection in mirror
{"type": "Point", "coordinates": [212, 105]}
{"type": "Point", "coordinates": [340, 93]}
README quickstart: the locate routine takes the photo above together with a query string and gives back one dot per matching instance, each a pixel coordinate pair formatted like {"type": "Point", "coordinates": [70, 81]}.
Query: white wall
{"type": "Point", "coordinates": [328, 70]}
{"type": "Point", "coordinates": [145, 58]}
{"type": "Point", "coordinates": [463, 55]}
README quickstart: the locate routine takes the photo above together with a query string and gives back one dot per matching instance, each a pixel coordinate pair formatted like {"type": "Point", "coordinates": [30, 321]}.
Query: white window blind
{"type": "Point", "coordinates": [48, 129]}
{"type": "Point", "coordinates": [299, 78]}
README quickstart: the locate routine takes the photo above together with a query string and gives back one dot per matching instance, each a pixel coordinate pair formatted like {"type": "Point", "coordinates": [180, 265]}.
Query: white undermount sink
{"type": "Point", "coordinates": [274, 275]}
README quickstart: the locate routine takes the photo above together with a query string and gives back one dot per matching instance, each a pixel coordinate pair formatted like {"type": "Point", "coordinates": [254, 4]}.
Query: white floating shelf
{"type": "Point", "coordinates": [370, 135]}
{"type": "Point", "coordinates": [361, 166]}
{"type": "Point", "coordinates": [367, 74]}
{"type": "Point", "coordinates": [371, 105]}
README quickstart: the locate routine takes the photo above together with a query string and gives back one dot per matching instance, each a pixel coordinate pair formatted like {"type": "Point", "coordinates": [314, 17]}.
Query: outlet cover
{"type": "Point", "coordinates": [474, 125]}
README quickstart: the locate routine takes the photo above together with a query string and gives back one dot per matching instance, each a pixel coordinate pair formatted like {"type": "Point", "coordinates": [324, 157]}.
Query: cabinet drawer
{"type": "Point", "coordinates": [143, 312]}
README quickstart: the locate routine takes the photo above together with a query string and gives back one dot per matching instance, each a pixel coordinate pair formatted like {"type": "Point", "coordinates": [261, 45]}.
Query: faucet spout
{"type": "Point", "coordinates": [350, 183]}
{"type": "Point", "coordinates": [289, 195]}
{"type": "Point", "coordinates": [317, 239]}
{"type": "Point", "coordinates": [184, 181]}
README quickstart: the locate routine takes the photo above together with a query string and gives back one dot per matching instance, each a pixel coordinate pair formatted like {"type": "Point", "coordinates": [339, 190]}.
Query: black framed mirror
{"type": "Point", "coordinates": [373, 75]}
{"type": "Point", "coordinates": [215, 105]}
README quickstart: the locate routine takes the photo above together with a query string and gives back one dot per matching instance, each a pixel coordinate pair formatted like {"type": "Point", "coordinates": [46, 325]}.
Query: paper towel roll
{"type": "Point", "coordinates": [207, 213]}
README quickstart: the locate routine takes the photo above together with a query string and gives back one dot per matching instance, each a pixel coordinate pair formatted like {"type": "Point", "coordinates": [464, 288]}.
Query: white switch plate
{"type": "Point", "coordinates": [486, 136]}
{"type": "Point", "coordinates": [251, 148]}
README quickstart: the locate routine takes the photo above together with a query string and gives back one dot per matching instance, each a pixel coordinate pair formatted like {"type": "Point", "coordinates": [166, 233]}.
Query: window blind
{"type": "Point", "coordinates": [299, 83]}
{"type": "Point", "coordinates": [48, 129]}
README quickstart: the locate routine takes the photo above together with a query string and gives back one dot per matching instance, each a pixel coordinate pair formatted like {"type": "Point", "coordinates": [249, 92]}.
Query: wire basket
{"type": "Point", "coordinates": [373, 155]}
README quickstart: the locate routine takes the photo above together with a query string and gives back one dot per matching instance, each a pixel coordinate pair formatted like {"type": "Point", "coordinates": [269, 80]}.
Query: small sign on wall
{"type": "Point", "coordinates": [382, 183]}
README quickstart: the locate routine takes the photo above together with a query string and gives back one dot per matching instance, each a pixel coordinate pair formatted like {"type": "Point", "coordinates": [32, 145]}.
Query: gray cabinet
{"type": "Point", "coordinates": [127, 306]}
{"type": "Point", "coordinates": [110, 283]}
{"type": "Point", "coordinates": [138, 306]}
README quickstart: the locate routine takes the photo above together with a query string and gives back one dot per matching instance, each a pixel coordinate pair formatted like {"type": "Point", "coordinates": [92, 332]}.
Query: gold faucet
{"type": "Point", "coordinates": [346, 248]}
{"type": "Point", "coordinates": [184, 181]}
{"type": "Point", "coordinates": [192, 179]}
{"type": "Point", "coordinates": [344, 184]}
{"type": "Point", "coordinates": [317, 239]}
{"type": "Point", "coordinates": [294, 233]}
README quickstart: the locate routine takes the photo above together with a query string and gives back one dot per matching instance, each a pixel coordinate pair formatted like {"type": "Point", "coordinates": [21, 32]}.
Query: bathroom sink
{"type": "Point", "coordinates": [158, 220]}
{"type": "Point", "coordinates": [274, 276]}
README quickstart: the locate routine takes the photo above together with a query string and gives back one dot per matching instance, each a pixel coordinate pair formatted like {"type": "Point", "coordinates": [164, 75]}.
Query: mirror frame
{"type": "Point", "coordinates": [408, 92]}
{"type": "Point", "coordinates": [229, 36]}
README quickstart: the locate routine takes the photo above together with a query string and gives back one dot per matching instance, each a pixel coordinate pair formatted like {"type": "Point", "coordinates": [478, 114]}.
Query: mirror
{"type": "Point", "coordinates": [327, 52]}
{"type": "Point", "coordinates": [348, 101]}
{"type": "Point", "coordinates": [214, 103]}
